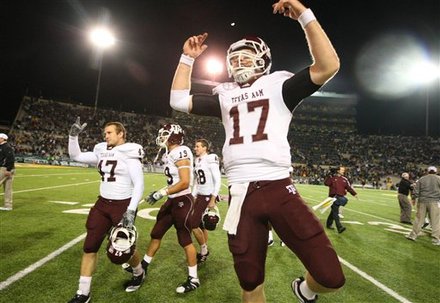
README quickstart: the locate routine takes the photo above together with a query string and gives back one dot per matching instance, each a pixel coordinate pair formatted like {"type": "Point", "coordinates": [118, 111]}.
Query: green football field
{"type": "Point", "coordinates": [41, 247]}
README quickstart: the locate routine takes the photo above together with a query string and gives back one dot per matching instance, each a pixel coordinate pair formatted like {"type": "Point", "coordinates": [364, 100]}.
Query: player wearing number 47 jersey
{"type": "Point", "coordinates": [122, 186]}
{"type": "Point", "coordinates": [256, 110]}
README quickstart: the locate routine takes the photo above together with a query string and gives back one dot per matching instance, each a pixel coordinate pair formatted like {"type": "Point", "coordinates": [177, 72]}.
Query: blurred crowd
{"type": "Point", "coordinates": [318, 143]}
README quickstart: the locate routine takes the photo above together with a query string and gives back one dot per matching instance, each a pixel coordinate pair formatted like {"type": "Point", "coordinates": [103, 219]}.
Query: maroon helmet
{"type": "Point", "coordinates": [171, 133]}
{"type": "Point", "coordinates": [211, 218]}
{"type": "Point", "coordinates": [121, 244]}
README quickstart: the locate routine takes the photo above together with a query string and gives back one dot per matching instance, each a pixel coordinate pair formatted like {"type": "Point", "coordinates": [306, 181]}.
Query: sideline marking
{"type": "Point", "coordinates": [64, 202]}
{"type": "Point", "coordinates": [51, 187]}
{"type": "Point", "coordinates": [40, 263]}
{"type": "Point", "coordinates": [367, 277]}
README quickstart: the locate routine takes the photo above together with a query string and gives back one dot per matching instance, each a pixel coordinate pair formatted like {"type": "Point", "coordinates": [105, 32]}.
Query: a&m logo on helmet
{"type": "Point", "coordinates": [171, 133]}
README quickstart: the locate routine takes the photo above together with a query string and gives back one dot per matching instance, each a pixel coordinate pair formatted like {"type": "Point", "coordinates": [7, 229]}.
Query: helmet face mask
{"type": "Point", "coordinates": [170, 133]}
{"type": "Point", "coordinates": [248, 59]}
{"type": "Point", "coordinates": [121, 244]}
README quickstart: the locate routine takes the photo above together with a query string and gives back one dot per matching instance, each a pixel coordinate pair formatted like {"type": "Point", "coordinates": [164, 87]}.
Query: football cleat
{"type": "Point", "coordinates": [80, 298]}
{"type": "Point", "coordinates": [189, 285]}
{"type": "Point", "coordinates": [295, 288]}
{"type": "Point", "coordinates": [134, 283]}
{"type": "Point", "coordinates": [410, 237]}
{"type": "Point", "coordinates": [127, 267]}
{"type": "Point", "coordinates": [202, 258]}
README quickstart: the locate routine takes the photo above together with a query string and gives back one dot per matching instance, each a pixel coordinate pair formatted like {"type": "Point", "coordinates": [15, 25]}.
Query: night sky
{"type": "Point", "coordinates": [45, 52]}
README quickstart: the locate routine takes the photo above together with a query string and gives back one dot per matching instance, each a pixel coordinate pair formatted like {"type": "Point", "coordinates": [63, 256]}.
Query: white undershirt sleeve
{"type": "Point", "coordinates": [76, 154]}
{"type": "Point", "coordinates": [134, 167]}
{"type": "Point", "coordinates": [180, 100]}
{"type": "Point", "coordinates": [216, 178]}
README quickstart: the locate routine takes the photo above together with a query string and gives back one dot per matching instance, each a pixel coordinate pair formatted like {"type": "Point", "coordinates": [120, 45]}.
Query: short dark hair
{"type": "Point", "coordinates": [204, 142]}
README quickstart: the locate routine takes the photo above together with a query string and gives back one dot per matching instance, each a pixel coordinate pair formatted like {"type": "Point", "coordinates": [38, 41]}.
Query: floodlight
{"type": "Point", "coordinates": [102, 37]}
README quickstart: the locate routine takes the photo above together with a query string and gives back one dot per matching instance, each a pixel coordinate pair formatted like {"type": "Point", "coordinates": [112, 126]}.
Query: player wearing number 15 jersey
{"type": "Point", "coordinates": [122, 186]}
{"type": "Point", "coordinates": [256, 110]}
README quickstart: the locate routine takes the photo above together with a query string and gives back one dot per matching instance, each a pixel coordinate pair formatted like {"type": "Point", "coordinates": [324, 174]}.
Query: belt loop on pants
{"type": "Point", "coordinates": [256, 184]}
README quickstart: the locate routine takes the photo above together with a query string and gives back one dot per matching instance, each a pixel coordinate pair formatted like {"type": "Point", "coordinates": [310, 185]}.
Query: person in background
{"type": "Point", "coordinates": [406, 187]}
{"type": "Point", "coordinates": [256, 110]}
{"type": "Point", "coordinates": [7, 170]}
{"type": "Point", "coordinates": [427, 195]}
{"type": "Point", "coordinates": [338, 186]}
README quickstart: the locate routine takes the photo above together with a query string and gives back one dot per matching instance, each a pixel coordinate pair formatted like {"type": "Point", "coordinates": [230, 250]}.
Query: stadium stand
{"type": "Point", "coordinates": [321, 136]}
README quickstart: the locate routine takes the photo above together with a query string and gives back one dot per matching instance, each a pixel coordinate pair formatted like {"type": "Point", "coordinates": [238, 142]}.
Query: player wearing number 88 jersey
{"type": "Point", "coordinates": [256, 110]}
{"type": "Point", "coordinates": [122, 184]}
{"type": "Point", "coordinates": [206, 189]}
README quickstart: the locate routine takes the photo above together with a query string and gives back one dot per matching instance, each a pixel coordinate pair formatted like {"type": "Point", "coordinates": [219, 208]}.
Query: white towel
{"type": "Point", "coordinates": [238, 193]}
{"type": "Point", "coordinates": [324, 204]}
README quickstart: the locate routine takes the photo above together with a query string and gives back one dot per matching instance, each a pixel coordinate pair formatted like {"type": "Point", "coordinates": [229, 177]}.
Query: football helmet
{"type": "Point", "coordinates": [171, 133]}
{"type": "Point", "coordinates": [121, 244]}
{"type": "Point", "coordinates": [244, 65]}
{"type": "Point", "coordinates": [211, 218]}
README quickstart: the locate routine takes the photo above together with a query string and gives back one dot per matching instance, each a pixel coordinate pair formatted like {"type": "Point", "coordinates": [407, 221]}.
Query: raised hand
{"type": "Point", "coordinates": [194, 46]}
{"type": "Point", "coordinates": [77, 128]}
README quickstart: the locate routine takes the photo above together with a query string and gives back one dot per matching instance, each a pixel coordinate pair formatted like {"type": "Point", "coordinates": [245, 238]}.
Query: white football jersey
{"type": "Point", "coordinates": [256, 122]}
{"type": "Point", "coordinates": [172, 172]}
{"type": "Point", "coordinates": [116, 182]}
{"type": "Point", "coordinates": [207, 173]}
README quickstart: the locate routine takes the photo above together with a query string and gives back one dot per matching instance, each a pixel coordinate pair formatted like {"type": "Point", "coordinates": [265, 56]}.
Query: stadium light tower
{"type": "Point", "coordinates": [424, 73]}
{"type": "Point", "coordinates": [102, 38]}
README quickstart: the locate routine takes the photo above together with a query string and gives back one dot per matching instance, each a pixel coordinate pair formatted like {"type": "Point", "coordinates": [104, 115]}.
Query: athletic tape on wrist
{"type": "Point", "coordinates": [306, 17]}
{"type": "Point", "coordinates": [187, 60]}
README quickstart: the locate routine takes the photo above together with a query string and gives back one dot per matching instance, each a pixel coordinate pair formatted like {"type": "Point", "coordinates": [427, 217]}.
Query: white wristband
{"type": "Point", "coordinates": [164, 192]}
{"type": "Point", "coordinates": [187, 60]}
{"type": "Point", "coordinates": [306, 17]}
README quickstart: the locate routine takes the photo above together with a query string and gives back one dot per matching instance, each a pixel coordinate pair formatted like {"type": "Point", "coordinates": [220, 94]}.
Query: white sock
{"type": "Point", "coordinates": [148, 259]}
{"type": "Point", "coordinates": [138, 270]}
{"type": "Point", "coordinates": [192, 271]}
{"type": "Point", "coordinates": [84, 285]}
{"type": "Point", "coordinates": [204, 249]}
{"type": "Point", "coordinates": [306, 291]}
{"type": "Point", "coordinates": [270, 236]}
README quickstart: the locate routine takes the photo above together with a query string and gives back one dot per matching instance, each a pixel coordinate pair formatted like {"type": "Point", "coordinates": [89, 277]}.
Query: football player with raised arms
{"type": "Point", "coordinates": [256, 110]}
{"type": "Point", "coordinates": [122, 185]}
{"type": "Point", "coordinates": [179, 205]}
{"type": "Point", "coordinates": [206, 189]}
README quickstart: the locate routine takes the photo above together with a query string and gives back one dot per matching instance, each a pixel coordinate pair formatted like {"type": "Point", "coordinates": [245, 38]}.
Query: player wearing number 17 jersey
{"type": "Point", "coordinates": [122, 186]}
{"type": "Point", "coordinates": [256, 110]}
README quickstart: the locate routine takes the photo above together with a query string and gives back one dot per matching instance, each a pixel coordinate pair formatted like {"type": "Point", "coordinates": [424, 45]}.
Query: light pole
{"type": "Point", "coordinates": [102, 39]}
